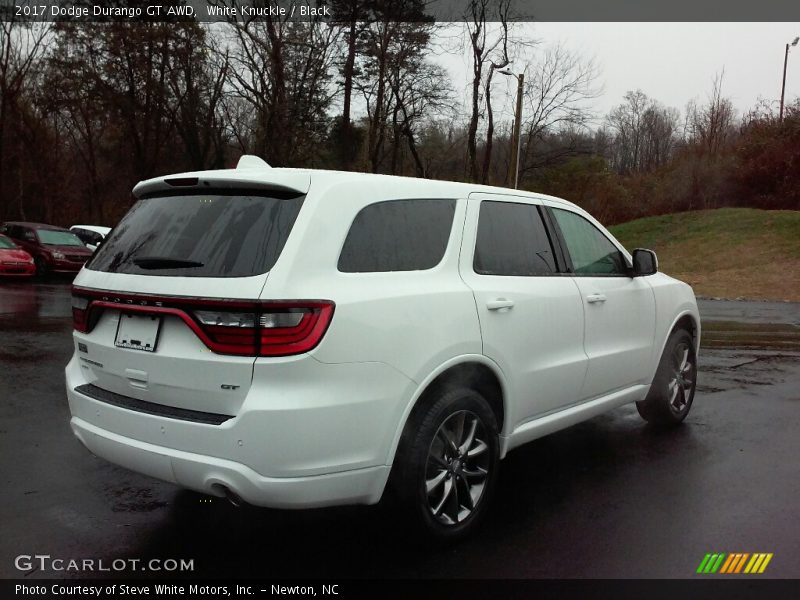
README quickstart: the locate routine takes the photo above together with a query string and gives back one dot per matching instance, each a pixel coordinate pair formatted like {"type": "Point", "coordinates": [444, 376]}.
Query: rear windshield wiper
{"type": "Point", "coordinates": [165, 262]}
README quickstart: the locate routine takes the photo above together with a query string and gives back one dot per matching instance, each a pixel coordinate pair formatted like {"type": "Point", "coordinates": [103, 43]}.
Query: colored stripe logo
{"type": "Point", "coordinates": [736, 562]}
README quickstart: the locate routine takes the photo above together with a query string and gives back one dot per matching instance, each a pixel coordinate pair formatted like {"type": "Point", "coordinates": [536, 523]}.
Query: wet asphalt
{"type": "Point", "coordinates": [608, 498]}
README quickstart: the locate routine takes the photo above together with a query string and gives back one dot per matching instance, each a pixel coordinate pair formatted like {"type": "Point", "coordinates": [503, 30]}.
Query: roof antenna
{"type": "Point", "coordinates": [248, 161]}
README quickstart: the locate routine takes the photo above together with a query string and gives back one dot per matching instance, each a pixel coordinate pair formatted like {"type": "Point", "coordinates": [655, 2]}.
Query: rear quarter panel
{"type": "Point", "coordinates": [411, 320]}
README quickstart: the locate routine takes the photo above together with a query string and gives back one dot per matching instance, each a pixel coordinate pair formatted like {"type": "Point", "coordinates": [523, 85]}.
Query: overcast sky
{"type": "Point", "coordinates": [672, 62]}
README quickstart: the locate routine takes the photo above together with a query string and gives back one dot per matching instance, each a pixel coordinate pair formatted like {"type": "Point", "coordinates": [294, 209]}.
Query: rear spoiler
{"type": "Point", "coordinates": [251, 173]}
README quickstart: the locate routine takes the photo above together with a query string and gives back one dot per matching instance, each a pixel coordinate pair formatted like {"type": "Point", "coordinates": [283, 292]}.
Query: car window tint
{"type": "Point", "coordinates": [398, 235]}
{"type": "Point", "coordinates": [224, 234]}
{"type": "Point", "coordinates": [87, 236]}
{"type": "Point", "coordinates": [512, 240]}
{"type": "Point", "coordinates": [591, 251]}
{"type": "Point", "coordinates": [52, 237]}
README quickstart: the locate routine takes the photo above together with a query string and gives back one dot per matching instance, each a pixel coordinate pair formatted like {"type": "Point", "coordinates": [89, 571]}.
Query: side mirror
{"type": "Point", "coordinates": [645, 262]}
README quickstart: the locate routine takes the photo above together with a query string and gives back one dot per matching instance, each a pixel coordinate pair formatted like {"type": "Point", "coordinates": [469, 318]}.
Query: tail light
{"type": "Point", "coordinates": [80, 314]}
{"type": "Point", "coordinates": [226, 327]}
{"type": "Point", "coordinates": [275, 330]}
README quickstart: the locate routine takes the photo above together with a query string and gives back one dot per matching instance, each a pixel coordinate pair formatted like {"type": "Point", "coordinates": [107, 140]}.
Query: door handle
{"type": "Point", "coordinates": [500, 304]}
{"type": "Point", "coordinates": [592, 298]}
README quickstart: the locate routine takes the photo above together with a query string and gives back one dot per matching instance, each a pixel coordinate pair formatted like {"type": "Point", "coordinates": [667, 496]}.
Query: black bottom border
{"type": "Point", "coordinates": [460, 589]}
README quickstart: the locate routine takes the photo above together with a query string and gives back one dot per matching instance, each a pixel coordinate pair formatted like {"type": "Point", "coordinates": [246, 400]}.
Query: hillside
{"type": "Point", "coordinates": [727, 252]}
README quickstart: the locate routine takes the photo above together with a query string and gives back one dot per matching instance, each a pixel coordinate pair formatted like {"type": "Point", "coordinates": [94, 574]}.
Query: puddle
{"type": "Point", "coordinates": [722, 369]}
{"type": "Point", "coordinates": [735, 334]}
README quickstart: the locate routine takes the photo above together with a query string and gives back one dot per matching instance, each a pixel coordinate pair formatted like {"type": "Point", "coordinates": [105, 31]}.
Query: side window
{"type": "Point", "coordinates": [29, 235]}
{"type": "Point", "coordinates": [512, 240]}
{"type": "Point", "coordinates": [398, 235]}
{"type": "Point", "coordinates": [86, 236]}
{"type": "Point", "coordinates": [591, 251]}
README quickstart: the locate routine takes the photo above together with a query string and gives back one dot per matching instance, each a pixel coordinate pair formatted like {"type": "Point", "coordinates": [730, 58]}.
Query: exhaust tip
{"type": "Point", "coordinates": [232, 497]}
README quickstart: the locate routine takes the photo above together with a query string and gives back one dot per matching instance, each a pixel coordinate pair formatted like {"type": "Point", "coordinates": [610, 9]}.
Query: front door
{"type": "Point", "coordinates": [619, 309]}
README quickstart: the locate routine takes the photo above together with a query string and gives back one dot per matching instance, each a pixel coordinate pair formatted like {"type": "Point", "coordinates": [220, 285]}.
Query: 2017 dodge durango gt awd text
{"type": "Point", "coordinates": [301, 338]}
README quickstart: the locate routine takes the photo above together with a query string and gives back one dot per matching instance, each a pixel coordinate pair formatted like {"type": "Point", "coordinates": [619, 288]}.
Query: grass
{"type": "Point", "coordinates": [725, 253]}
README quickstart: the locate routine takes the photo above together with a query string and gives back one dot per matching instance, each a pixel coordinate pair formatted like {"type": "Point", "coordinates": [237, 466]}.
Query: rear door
{"type": "Point", "coordinates": [619, 309]}
{"type": "Point", "coordinates": [530, 313]}
{"type": "Point", "coordinates": [177, 268]}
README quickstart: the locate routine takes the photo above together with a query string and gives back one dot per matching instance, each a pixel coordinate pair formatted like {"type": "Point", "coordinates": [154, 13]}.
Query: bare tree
{"type": "Point", "coordinates": [80, 119]}
{"type": "Point", "coordinates": [283, 68]}
{"type": "Point", "coordinates": [645, 133]}
{"type": "Point", "coordinates": [489, 50]}
{"type": "Point", "coordinates": [711, 127]}
{"type": "Point", "coordinates": [392, 45]}
{"type": "Point", "coordinates": [199, 69]}
{"type": "Point", "coordinates": [21, 44]}
{"type": "Point", "coordinates": [420, 95]}
{"type": "Point", "coordinates": [558, 87]}
{"type": "Point", "coordinates": [712, 124]}
{"type": "Point", "coordinates": [352, 18]}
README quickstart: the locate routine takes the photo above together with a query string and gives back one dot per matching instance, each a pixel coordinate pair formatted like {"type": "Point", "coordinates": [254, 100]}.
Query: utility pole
{"type": "Point", "coordinates": [516, 138]}
{"type": "Point", "coordinates": [785, 61]}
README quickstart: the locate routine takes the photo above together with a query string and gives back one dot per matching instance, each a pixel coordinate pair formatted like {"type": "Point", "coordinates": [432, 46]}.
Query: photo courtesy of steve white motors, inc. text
{"type": "Point", "coordinates": [43, 11]}
{"type": "Point", "coordinates": [104, 591]}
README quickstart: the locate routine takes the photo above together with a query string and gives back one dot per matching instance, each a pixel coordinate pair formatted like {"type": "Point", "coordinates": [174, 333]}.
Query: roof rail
{"type": "Point", "coordinates": [248, 161]}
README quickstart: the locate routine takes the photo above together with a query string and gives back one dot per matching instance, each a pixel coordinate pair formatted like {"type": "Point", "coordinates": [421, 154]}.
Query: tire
{"type": "Point", "coordinates": [446, 465]}
{"type": "Point", "coordinates": [41, 267]}
{"type": "Point", "coordinates": [672, 392]}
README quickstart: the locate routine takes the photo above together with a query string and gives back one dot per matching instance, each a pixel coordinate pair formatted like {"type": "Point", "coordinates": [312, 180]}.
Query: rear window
{"type": "Point", "coordinates": [200, 235]}
{"type": "Point", "coordinates": [398, 235]}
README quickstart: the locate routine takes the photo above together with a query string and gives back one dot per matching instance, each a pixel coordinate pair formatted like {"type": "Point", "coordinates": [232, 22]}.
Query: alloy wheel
{"type": "Point", "coordinates": [457, 468]}
{"type": "Point", "coordinates": [682, 377]}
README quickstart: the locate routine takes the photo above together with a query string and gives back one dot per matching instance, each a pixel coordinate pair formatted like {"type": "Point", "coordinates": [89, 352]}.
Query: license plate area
{"type": "Point", "coordinates": [138, 332]}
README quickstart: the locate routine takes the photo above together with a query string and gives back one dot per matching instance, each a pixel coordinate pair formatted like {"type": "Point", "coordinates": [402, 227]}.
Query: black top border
{"type": "Point", "coordinates": [442, 11]}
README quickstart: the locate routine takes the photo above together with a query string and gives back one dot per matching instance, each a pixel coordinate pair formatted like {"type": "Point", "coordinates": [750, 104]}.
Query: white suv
{"type": "Point", "coordinates": [302, 338]}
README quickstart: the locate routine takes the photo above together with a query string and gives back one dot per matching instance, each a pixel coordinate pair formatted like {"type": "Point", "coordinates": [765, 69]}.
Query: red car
{"type": "Point", "coordinates": [54, 249]}
{"type": "Point", "coordinates": [14, 261]}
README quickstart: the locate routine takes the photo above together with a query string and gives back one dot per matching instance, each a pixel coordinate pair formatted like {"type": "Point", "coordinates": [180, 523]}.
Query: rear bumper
{"type": "Point", "coordinates": [308, 434]}
{"type": "Point", "coordinates": [212, 475]}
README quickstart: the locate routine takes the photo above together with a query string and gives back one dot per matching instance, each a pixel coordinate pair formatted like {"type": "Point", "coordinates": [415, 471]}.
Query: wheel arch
{"type": "Point", "coordinates": [690, 323]}
{"type": "Point", "coordinates": [475, 371]}
{"type": "Point", "coordinates": [686, 319]}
